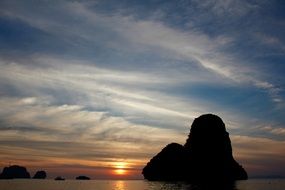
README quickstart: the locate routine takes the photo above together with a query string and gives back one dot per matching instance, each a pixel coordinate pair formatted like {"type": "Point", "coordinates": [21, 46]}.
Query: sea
{"type": "Point", "coordinates": [33, 184]}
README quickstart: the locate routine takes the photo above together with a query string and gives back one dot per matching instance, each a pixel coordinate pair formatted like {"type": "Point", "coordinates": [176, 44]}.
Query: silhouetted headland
{"type": "Point", "coordinates": [59, 178]}
{"type": "Point", "coordinates": [40, 175]}
{"type": "Point", "coordinates": [206, 155]}
{"type": "Point", "coordinates": [82, 177]}
{"type": "Point", "coordinates": [14, 172]}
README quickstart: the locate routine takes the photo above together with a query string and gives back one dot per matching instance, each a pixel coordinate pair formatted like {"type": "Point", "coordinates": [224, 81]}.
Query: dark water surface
{"type": "Point", "coordinates": [31, 184]}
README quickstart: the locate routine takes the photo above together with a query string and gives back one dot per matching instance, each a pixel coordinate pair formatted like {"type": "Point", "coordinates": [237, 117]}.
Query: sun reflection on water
{"type": "Point", "coordinates": [120, 185]}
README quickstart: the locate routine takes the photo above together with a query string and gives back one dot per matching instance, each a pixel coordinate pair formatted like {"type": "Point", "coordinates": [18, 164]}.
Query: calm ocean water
{"type": "Point", "coordinates": [22, 184]}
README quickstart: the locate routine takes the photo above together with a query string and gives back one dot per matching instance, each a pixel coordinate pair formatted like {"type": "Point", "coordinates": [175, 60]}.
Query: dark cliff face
{"type": "Point", "coordinates": [13, 172]}
{"type": "Point", "coordinates": [206, 155]}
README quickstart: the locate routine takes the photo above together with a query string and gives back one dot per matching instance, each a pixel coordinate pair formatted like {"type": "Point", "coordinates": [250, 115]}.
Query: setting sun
{"type": "Point", "coordinates": [120, 171]}
{"type": "Point", "coordinates": [120, 168]}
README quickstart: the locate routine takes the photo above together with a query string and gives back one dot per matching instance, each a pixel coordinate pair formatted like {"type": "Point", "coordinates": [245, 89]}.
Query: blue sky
{"type": "Point", "coordinates": [92, 83]}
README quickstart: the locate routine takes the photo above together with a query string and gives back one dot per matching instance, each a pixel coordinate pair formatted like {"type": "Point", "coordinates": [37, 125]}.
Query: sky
{"type": "Point", "coordinates": [100, 87]}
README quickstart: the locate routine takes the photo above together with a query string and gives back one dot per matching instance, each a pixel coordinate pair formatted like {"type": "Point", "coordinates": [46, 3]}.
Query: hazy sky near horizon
{"type": "Point", "coordinates": [89, 86]}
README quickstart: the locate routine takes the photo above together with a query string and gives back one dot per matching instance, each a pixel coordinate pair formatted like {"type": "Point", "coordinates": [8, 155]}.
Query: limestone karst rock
{"type": "Point", "coordinates": [206, 155]}
{"type": "Point", "coordinates": [168, 164]}
{"type": "Point", "coordinates": [13, 172]}
{"type": "Point", "coordinates": [40, 175]}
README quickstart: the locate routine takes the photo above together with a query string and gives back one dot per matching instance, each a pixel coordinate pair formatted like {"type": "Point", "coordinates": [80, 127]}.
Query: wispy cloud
{"type": "Point", "coordinates": [192, 46]}
{"type": "Point", "coordinates": [271, 41]}
{"type": "Point", "coordinates": [96, 136]}
{"type": "Point", "coordinates": [228, 7]}
{"type": "Point", "coordinates": [274, 130]}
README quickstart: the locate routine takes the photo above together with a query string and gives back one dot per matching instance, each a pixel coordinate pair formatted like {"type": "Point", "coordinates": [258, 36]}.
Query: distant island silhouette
{"type": "Point", "coordinates": [18, 172]}
{"type": "Point", "coordinates": [59, 178]}
{"type": "Point", "coordinates": [15, 171]}
{"type": "Point", "coordinates": [82, 177]}
{"type": "Point", "coordinates": [40, 175]}
{"type": "Point", "coordinates": [206, 155]}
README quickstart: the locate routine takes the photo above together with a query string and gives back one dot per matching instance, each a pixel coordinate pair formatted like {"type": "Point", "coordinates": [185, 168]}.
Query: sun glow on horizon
{"type": "Point", "coordinates": [120, 168]}
{"type": "Point", "coordinates": [120, 171]}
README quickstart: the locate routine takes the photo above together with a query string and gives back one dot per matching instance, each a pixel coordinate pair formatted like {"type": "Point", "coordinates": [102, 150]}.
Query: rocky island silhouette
{"type": "Point", "coordinates": [40, 175]}
{"type": "Point", "coordinates": [20, 172]}
{"type": "Point", "coordinates": [206, 155]}
{"type": "Point", "coordinates": [82, 177]}
{"type": "Point", "coordinates": [15, 171]}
